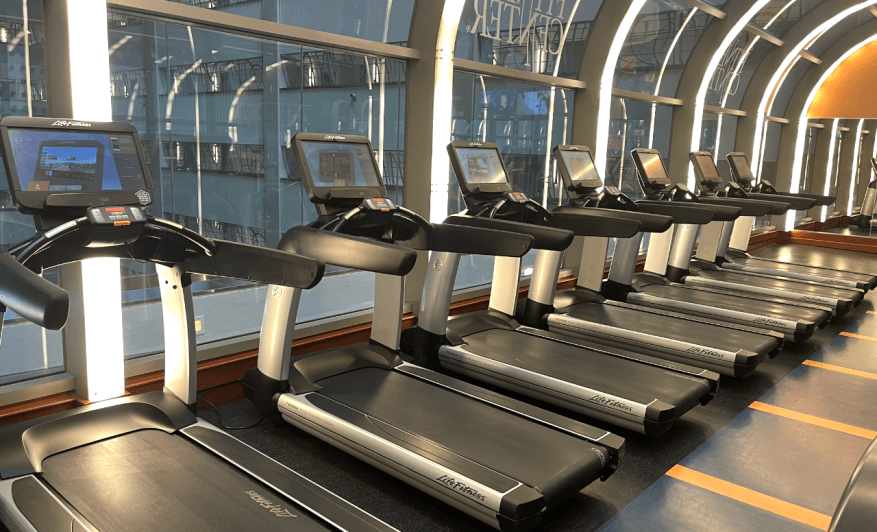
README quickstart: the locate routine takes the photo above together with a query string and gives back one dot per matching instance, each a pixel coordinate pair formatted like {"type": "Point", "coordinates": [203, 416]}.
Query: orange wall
{"type": "Point", "coordinates": [851, 90]}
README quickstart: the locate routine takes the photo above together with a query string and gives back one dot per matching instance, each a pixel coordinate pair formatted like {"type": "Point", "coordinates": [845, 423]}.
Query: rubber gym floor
{"type": "Point", "coordinates": [772, 451]}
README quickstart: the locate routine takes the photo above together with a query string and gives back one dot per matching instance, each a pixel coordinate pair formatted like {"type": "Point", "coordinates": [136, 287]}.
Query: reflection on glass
{"type": "Point", "coordinates": [27, 351]}
{"type": "Point", "coordinates": [216, 113]}
{"type": "Point", "coordinates": [385, 21]}
{"type": "Point", "coordinates": [546, 37]}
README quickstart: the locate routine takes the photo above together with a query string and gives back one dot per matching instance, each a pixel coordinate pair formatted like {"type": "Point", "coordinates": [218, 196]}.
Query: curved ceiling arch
{"type": "Point", "coordinates": [770, 73]}
{"type": "Point", "coordinates": [844, 94]}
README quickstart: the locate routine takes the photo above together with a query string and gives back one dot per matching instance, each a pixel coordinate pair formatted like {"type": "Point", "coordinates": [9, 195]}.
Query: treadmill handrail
{"type": "Point", "coordinates": [547, 238]}
{"type": "Point", "coordinates": [349, 251]}
{"type": "Point", "coordinates": [797, 203]}
{"type": "Point", "coordinates": [592, 221]}
{"type": "Point", "coordinates": [31, 296]}
{"type": "Point", "coordinates": [649, 223]}
{"type": "Point", "coordinates": [456, 238]}
{"type": "Point", "coordinates": [682, 213]}
{"type": "Point", "coordinates": [748, 207]}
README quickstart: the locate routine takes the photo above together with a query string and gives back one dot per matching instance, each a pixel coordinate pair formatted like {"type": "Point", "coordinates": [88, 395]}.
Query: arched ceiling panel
{"type": "Point", "coordinates": [851, 90]}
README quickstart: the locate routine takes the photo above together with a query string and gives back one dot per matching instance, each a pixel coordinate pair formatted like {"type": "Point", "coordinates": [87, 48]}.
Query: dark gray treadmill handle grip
{"type": "Point", "coordinates": [796, 203]}
{"type": "Point", "coordinates": [682, 213]}
{"type": "Point", "coordinates": [253, 263]}
{"type": "Point", "coordinates": [31, 296]}
{"type": "Point", "coordinates": [349, 251]}
{"type": "Point", "coordinates": [454, 238]}
{"type": "Point", "coordinates": [747, 207]}
{"type": "Point", "coordinates": [592, 221]}
{"type": "Point", "coordinates": [547, 238]}
{"type": "Point", "coordinates": [821, 201]}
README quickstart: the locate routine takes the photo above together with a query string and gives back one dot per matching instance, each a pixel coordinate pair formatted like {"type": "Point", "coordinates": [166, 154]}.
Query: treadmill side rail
{"type": "Point", "coordinates": [330, 507]}
{"type": "Point", "coordinates": [614, 443]}
{"type": "Point", "coordinates": [26, 505]}
{"type": "Point", "coordinates": [473, 497]}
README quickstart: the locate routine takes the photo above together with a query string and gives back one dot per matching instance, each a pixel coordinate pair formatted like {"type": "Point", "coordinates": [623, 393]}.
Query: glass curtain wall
{"type": "Point", "coordinates": [216, 113]}
{"type": "Point", "coordinates": [809, 166]}
{"type": "Point", "coordinates": [27, 351]}
{"type": "Point", "coordinates": [523, 121]}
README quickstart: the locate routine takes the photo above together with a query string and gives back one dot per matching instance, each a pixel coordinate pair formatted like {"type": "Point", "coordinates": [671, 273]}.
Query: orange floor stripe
{"type": "Point", "coordinates": [813, 420]}
{"type": "Point", "coordinates": [841, 369]}
{"type": "Point", "coordinates": [859, 336]}
{"type": "Point", "coordinates": [750, 497]}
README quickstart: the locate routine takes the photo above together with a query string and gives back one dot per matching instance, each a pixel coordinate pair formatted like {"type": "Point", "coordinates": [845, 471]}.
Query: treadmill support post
{"type": "Point", "coordinates": [180, 360]}
{"type": "Point", "coordinates": [659, 251]}
{"type": "Point", "coordinates": [504, 288]}
{"type": "Point", "coordinates": [741, 233]}
{"type": "Point", "coordinates": [438, 289]}
{"type": "Point", "coordinates": [680, 253]}
{"type": "Point", "coordinates": [594, 250]}
{"type": "Point", "coordinates": [546, 271]}
{"type": "Point", "coordinates": [623, 266]}
{"type": "Point", "coordinates": [710, 241]}
{"type": "Point", "coordinates": [387, 324]}
{"type": "Point", "coordinates": [278, 328]}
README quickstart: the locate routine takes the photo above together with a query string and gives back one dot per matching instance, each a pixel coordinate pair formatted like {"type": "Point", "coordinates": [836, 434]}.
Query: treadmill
{"type": "Point", "coordinates": [500, 461]}
{"type": "Point", "coordinates": [637, 392]}
{"type": "Point", "coordinates": [741, 173]}
{"type": "Point", "coordinates": [656, 183]}
{"type": "Point", "coordinates": [652, 288]}
{"type": "Point", "coordinates": [727, 349]}
{"type": "Point", "coordinates": [143, 462]}
{"type": "Point", "coordinates": [726, 256]}
{"type": "Point", "coordinates": [865, 219]}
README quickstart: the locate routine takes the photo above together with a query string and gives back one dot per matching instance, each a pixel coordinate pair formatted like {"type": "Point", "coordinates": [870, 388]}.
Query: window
{"type": "Point", "coordinates": [216, 113]}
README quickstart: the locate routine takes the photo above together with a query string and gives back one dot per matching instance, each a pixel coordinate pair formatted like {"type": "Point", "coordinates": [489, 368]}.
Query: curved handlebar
{"type": "Point", "coordinates": [31, 296]}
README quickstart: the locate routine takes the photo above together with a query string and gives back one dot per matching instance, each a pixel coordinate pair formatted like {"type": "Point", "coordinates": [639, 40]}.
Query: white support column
{"type": "Point", "coordinates": [79, 89]}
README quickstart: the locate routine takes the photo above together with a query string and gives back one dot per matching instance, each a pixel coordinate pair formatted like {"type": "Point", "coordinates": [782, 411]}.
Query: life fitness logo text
{"type": "Point", "coordinates": [275, 509]}
{"type": "Point", "coordinates": [335, 137]}
{"type": "Point", "coordinates": [459, 486]}
{"type": "Point", "coordinates": [65, 123]}
{"type": "Point", "coordinates": [474, 144]}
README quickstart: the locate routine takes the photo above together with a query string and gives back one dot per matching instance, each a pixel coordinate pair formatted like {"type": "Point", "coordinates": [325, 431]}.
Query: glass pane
{"type": "Point", "coordinates": [385, 21]}
{"type": "Point", "coordinates": [809, 166]}
{"type": "Point", "coordinates": [526, 35]}
{"type": "Point", "coordinates": [658, 47]}
{"type": "Point", "coordinates": [634, 124]}
{"type": "Point", "coordinates": [27, 351]}
{"type": "Point", "coordinates": [216, 113]}
{"type": "Point", "coordinates": [514, 115]}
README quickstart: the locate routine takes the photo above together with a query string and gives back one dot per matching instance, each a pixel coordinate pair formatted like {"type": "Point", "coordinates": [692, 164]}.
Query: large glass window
{"type": "Point", "coordinates": [375, 20]}
{"type": "Point", "coordinates": [658, 47]}
{"type": "Point", "coordinates": [27, 350]}
{"type": "Point", "coordinates": [526, 121]}
{"type": "Point", "coordinates": [216, 113]}
{"type": "Point", "coordinates": [544, 37]}
{"type": "Point", "coordinates": [809, 167]}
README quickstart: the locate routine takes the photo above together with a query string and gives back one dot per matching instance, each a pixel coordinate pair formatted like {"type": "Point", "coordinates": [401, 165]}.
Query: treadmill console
{"type": "Point", "coordinates": [479, 168]}
{"type": "Point", "coordinates": [650, 170]}
{"type": "Point", "coordinates": [517, 197]}
{"type": "Point", "coordinates": [577, 168]}
{"type": "Point", "coordinates": [740, 170]}
{"type": "Point", "coordinates": [62, 168]}
{"type": "Point", "coordinates": [705, 170]}
{"type": "Point", "coordinates": [337, 170]}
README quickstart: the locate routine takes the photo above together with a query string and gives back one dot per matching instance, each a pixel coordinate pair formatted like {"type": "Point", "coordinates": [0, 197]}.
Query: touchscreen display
{"type": "Point", "coordinates": [580, 166]}
{"type": "Point", "coordinates": [481, 165]}
{"type": "Point", "coordinates": [708, 168]}
{"type": "Point", "coordinates": [653, 167]}
{"type": "Point", "coordinates": [338, 164]}
{"type": "Point", "coordinates": [742, 166]}
{"type": "Point", "coordinates": [75, 161]}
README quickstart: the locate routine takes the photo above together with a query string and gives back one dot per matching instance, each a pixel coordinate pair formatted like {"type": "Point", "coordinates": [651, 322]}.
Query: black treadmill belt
{"type": "Point", "coordinates": [486, 435]}
{"type": "Point", "coordinates": [807, 269]}
{"type": "Point", "coordinates": [609, 374]}
{"type": "Point", "coordinates": [739, 304]}
{"type": "Point", "coordinates": [669, 327]}
{"type": "Point", "coordinates": [799, 287]}
{"type": "Point", "coordinates": [150, 480]}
